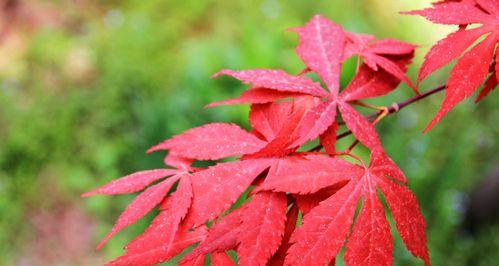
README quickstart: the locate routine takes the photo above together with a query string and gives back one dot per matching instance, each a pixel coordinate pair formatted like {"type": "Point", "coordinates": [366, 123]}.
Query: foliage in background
{"type": "Point", "coordinates": [80, 101]}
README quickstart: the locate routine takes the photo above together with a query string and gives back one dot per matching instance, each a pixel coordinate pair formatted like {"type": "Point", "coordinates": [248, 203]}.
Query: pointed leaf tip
{"type": "Point", "coordinates": [222, 72]}
{"type": "Point", "coordinates": [131, 183]}
{"type": "Point", "coordinates": [140, 206]}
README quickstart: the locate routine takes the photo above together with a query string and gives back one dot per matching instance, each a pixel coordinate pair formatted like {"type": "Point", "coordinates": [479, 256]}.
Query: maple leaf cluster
{"type": "Point", "coordinates": [301, 206]}
{"type": "Point", "coordinates": [474, 65]}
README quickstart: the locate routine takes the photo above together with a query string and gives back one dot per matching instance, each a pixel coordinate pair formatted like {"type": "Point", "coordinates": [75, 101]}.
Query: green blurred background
{"type": "Point", "coordinates": [87, 86]}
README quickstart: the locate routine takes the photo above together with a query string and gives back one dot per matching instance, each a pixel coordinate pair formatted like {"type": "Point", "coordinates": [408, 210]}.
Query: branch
{"type": "Point", "coordinates": [392, 109]}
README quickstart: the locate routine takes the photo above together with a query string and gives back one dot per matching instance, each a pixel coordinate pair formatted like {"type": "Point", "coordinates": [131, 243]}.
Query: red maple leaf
{"type": "Point", "coordinates": [472, 66]}
{"type": "Point", "coordinates": [255, 228]}
{"type": "Point", "coordinates": [326, 227]}
{"type": "Point", "coordinates": [216, 188]}
{"type": "Point", "coordinates": [375, 53]}
{"type": "Point", "coordinates": [283, 180]}
{"type": "Point", "coordinates": [323, 46]}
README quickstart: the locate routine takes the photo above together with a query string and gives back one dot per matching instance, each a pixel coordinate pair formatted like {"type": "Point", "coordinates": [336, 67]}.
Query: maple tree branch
{"type": "Point", "coordinates": [394, 108]}
{"type": "Point", "coordinates": [390, 110]}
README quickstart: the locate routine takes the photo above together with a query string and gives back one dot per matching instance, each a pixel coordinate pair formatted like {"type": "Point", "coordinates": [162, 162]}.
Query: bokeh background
{"type": "Point", "coordinates": [87, 86]}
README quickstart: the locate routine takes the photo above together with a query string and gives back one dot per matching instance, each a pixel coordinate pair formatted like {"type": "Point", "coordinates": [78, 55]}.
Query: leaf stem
{"type": "Point", "coordinates": [370, 106]}
{"type": "Point", "coordinates": [355, 157]}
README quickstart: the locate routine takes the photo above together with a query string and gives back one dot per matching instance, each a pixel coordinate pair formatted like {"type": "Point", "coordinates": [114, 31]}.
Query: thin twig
{"type": "Point", "coordinates": [392, 109]}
